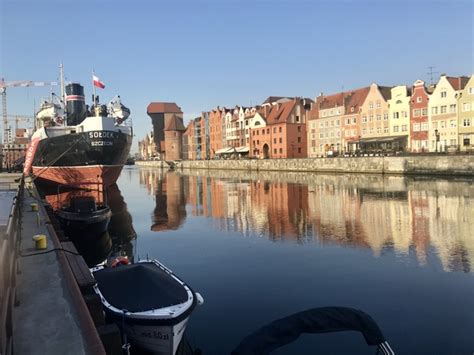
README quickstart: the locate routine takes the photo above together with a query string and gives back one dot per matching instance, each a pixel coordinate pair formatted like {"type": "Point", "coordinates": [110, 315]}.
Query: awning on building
{"type": "Point", "coordinates": [382, 139]}
{"type": "Point", "coordinates": [233, 150]}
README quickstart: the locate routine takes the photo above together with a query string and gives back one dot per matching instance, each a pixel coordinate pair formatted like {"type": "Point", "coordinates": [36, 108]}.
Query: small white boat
{"type": "Point", "coordinates": [148, 302]}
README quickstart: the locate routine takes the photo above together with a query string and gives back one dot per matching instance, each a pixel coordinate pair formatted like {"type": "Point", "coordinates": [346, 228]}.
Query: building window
{"type": "Point", "coordinates": [321, 135]}
{"type": "Point", "coordinates": [379, 129]}
{"type": "Point", "coordinates": [404, 128]}
{"type": "Point", "coordinates": [281, 140]}
{"type": "Point", "coordinates": [299, 139]}
{"type": "Point", "coordinates": [471, 91]}
{"type": "Point", "coordinates": [396, 115]}
{"type": "Point", "coordinates": [352, 109]}
{"type": "Point", "coordinates": [364, 131]}
{"type": "Point", "coordinates": [274, 130]}
{"type": "Point", "coordinates": [452, 108]}
{"type": "Point", "coordinates": [424, 112]}
{"type": "Point", "coordinates": [258, 132]}
{"type": "Point", "coordinates": [379, 117]}
{"type": "Point", "coordinates": [371, 118]}
{"type": "Point", "coordinates": [378, 104]}
{"type": "Point", "coordinates": [452, 123]}
{"type": "Point", "coordinates": [371, 105]}
{"type": "Point", "coordinates": [338, 123]}
{"type": "Point", "coordinates": [443, 93]}
{"type": "Point", "coordinates": [280, 129]}
{"type": "Point", "coordinates": [419, 99]}
{"type": "Point", "coordinates": [416, 112]}
{"type": "Point", "coordinates": [297, 118]}
{"type": "Point", "coordinates": [385, 130]}
{"type": "Point", "coordinates": [371, 130]}
{"type": "Point", "coordinates": [395, 128]}
{"type": "Point", "coordinates": [424, 126]}
{"type": "Point", "coordinates": [281, 150]}
{"type": "Point", "coordinates": [434, 110]}
{"type": "Point", "coordinates": [466, 122]}
{"type": "Point", "coordinates": [364, 119]}
{"type": "Point", "coordinates": [258, 142]}
{"type": "Point", "coordinates": [466, 106]}
{"type": "Point", "coordinates": [443, 109]}
{"type": "Point", "coordinates": [416, 127]}
{"type": "Point", "coordinates": [452, 142]}
{"type": "Point", "coordinates": [348, 120]}
{"type": "Point", "coordinates": [354, 120]}
{"type": "Point", "coordinates": [347, 133]}
{"type": "Point", "coordinates": [299, 128]}
{"type": "Point", "coordinates": [385, 116]}
{"type": "Point", "coordinates": [274, 140]}
{"type": "Point", "coordinates": [299, 150]}
{"type": "Point", "coordinates": [274, 151]}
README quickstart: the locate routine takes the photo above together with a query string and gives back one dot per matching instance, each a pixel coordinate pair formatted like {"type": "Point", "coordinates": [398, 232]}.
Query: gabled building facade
{"type": "Point", "coordinates": [443, 113]}
{"type": "Point", "coordinates": [419, 117]}
{"type": "Point", "coordinates": [331, 109]}
{"type": "Point", "coordinates": [399, 113]}
{"type": "Point", "coordinates": [350, 121]}
{"type": "Point", "coordinates": [285, 133]}
{"type": "Point", "coordinates": [466, 116]}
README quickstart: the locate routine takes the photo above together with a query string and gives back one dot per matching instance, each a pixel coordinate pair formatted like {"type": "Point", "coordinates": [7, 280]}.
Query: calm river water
{"type": "Point", "coordinates": [260, 247]}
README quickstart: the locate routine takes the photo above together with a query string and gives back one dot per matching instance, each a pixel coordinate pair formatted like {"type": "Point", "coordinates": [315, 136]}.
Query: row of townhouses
{"type": "Point", "coordinates": [372, 119]}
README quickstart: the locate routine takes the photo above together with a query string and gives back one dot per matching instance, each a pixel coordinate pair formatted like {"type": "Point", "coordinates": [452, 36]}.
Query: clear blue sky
{"type": "Point", "coordinates": [201, 54]}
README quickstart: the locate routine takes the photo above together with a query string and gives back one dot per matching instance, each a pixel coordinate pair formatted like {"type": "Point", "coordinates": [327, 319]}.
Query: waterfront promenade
{"type": "Point", "coordinates": [48, 315]}
{"type": "Point", "coordinates": [442, 165]}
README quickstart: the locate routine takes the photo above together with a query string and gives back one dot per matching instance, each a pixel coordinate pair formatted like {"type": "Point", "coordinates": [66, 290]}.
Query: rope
{"type": "Point", "coordinates": [59, 157]}
{"type": "Point", "coordinates": [49, 251]}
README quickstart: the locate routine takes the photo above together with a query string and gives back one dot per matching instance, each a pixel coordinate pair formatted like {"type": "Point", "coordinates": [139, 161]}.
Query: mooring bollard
{"type": "Point", "coordinates": [34, 207]}
{"type": "Point", "coordinates": [40, 241]}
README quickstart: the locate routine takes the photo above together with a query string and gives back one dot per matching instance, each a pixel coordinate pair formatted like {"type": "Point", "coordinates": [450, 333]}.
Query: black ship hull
{"type": "Point", "coordinates": [76, 159]}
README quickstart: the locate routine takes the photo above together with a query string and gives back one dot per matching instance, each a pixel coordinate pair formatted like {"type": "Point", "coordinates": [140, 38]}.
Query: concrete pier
{"type": "Point", "coordinates": [49, 316]}
{"type": "Point", "coordinates": [441, 165]}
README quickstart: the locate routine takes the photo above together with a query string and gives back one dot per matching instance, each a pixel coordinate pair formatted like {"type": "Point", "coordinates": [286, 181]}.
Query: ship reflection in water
{"type": "Point", "coordinates": [401, 214]}
{"type": "Point", "coordinates": [96, 246]}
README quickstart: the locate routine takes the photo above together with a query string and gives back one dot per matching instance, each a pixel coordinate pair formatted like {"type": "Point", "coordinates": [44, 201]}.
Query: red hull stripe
{"type": "Point", "coordinates": [79, 175]}
{"type": "Point", "coordinates": [75, 98]}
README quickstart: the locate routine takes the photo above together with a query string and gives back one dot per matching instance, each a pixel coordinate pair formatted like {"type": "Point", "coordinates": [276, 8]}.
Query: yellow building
{"type": "Point", "coordinates": [443, 113]}
{"type": "Point", "coordinates": [399, 112]}
{"type": "Point", "coordinates": [466, 116]}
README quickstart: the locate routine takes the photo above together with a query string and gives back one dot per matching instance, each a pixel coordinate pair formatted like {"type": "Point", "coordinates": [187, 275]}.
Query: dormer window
{"type": "Point", "coordinates": [419, 99]}
{"type": "Point", "coordinates": [352, 109]}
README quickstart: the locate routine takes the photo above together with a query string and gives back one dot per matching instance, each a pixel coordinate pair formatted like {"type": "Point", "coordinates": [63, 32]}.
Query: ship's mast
{"type": "Point", "coordinates": [61, 74]}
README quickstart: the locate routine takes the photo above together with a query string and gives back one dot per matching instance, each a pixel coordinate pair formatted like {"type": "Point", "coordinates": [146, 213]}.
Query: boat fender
{"type": "Point", "coordinates": [120, 260]}
{"type": "Point", "coordinates": [199, 298]}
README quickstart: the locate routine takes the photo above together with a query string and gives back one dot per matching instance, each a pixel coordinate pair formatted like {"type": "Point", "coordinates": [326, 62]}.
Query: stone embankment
{"type": "Point", "coordinates": [447, 165]}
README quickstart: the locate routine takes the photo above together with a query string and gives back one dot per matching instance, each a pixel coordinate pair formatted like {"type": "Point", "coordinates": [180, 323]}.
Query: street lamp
{"type": "Point", "coordinates": [436, 132]}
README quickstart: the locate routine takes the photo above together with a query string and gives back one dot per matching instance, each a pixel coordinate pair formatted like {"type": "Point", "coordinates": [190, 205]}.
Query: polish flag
{"type": "Point", "coordinates": [97, 82]}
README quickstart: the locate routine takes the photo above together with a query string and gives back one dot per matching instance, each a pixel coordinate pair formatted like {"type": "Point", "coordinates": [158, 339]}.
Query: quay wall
{"type": "Point", "coordinates": [446, 165]}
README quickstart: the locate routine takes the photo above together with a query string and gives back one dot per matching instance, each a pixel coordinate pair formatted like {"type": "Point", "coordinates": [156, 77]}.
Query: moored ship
{"type": "Point", "coordinates": [82, 148]}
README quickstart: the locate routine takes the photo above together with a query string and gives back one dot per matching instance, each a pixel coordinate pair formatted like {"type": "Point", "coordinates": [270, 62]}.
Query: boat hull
{"type": "Point", "coordinates": [80, 159]}
{"type": "Point", "coordinates": [80, 176]}
{"type": "Point", "coordinates": [160, 340]}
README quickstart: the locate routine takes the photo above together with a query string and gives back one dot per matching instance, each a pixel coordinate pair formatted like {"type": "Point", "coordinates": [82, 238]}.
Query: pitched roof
{"type": "Point", "coordinates": [280, 112]}
{"type": "Point", "coordinates": [458, 83]}
{"type": "Point", "coordinates": [355, 99]}
{"type": "Point", "coordinates": [175, 123]}
{"type": "Point", "coordinates": [386, 92]}
{"type": "Point", "coordinates": [272, 99]}
{"type": "Point", "coordinates": [330, 101]}
{"type": "Point", "coordinates": [163, 107]}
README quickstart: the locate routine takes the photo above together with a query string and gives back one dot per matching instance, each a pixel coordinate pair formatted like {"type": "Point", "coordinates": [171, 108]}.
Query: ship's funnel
{"type": "Point", "coordinates": [75, 104]}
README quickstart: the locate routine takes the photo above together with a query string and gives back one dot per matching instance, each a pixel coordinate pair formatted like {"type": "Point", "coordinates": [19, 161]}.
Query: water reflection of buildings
{"type": "Point", "coordinates": [380, 213]}
{"type": "Point", "coordinates": [170, 209]}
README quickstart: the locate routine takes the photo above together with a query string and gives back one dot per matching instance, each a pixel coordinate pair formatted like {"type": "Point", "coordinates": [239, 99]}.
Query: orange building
{"type": "Point", "coordinates": [285, 133]}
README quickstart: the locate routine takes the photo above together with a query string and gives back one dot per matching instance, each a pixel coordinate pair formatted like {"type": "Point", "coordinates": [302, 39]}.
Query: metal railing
{"type": "Point", "coordinates": [9, 244]}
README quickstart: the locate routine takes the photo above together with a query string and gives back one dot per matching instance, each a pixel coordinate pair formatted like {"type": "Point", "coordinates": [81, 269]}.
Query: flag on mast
{"type": "Point", "coordinates": [97, 81]}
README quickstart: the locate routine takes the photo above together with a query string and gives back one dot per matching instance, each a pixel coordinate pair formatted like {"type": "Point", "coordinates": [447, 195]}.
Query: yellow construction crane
{"type": "Point", "coordinates": [3, 90]}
